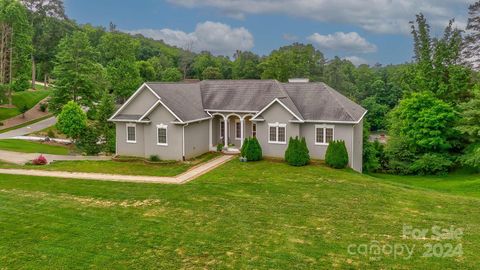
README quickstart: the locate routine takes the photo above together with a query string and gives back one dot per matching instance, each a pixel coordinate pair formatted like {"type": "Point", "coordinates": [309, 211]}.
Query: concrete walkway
{"type": "Point", "coordinates": [29, 129]}
{"type": "Point", "coordinates": [179, 179]}
{"type": "Point", "coordinates": [22, 158]}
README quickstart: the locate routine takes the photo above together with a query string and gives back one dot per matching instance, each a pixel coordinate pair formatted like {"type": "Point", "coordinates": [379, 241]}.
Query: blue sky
{"type": "Point", "coordinates": [367, 31]}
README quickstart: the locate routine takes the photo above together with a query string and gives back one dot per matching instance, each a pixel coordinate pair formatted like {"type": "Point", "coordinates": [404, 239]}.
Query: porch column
{"type": "Point", "coordinates": [226, 131]}
{"type": "Point", "coordinates": [242, 128]}
{"type": "Point", "coordinates": [210, 144]}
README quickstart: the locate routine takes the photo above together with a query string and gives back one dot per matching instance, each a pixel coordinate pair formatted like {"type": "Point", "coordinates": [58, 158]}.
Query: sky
{"type": "Point", "coordinates": [363, 31]}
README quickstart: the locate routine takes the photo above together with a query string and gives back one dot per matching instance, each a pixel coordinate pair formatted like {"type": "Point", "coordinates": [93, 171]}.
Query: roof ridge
{"type": "Point", "coordinates": [285, 92]}
{"type": "Point", "coordinates": [329, 89]}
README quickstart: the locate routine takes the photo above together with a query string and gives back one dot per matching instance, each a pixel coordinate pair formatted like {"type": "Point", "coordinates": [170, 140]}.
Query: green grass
{"type": "Point", "coordinates": [261, 215]}
{"type": "Point", "coordinates": [32, 147]}
{"type": "Point", "coordinates": [116, 167]}
{"type": "Point", "coordinates": [24, 98]}
{"type": "Point", "coordinates": [455, 183]}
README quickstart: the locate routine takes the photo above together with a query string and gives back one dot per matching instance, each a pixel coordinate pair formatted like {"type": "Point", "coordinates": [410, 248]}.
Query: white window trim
{"type": "Point", "coordinates": [162, 126]}
{"type": "Point", "coordinates": [126, 130]}
{"type": "Point", "coordinates": [277, 125]}
{"type": "Point", "coordinates": [324, 134]}
{"type": "Point", "coordinates": [222, 125]}
{"type": "Point", "coordinates": [255, 124]}
{"type": "Point", "coordinates": [237, 121]}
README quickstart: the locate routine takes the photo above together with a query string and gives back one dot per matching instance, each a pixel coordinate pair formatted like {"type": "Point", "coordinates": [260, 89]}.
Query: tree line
{"type": "Point", "coordinates": [427, 106]}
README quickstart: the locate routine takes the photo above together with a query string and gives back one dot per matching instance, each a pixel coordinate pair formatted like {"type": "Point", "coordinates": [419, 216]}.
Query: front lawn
{"type": "Point", "coordinates": [33, 147]}
{"type": "Point", "coordinates": [263, 215]}
{"type": "Point", "coordinates": [115, 167]}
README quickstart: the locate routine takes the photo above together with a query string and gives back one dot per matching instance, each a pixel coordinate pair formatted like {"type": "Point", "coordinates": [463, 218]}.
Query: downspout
{"type": "Point", "coordinates": [183, 141]}
{"type": "Point", "coordinates": [353, 147]}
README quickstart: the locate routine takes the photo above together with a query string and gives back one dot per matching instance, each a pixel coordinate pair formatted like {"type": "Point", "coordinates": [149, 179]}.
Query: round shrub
{"type": "Point", "coordinates": [297, 153]}
{"type": "Point", "coordinates": [336, 156]}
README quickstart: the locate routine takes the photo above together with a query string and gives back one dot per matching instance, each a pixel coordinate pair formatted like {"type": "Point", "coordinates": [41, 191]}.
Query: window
{"type": "Point", "coordinates": [254, 130]}
{"type": "Point", "coordinates": [162, 134]}
{"type": "Point", "coordinates": [238, 130]}
{"type": "Point", "coordinates": [277, 133]}
{"type": "Point", "coordinates": [323, 134]}
{"type": "Point", "coordinates": [222, 129]}
{"type": "Point", "coordinates": [131, 133]}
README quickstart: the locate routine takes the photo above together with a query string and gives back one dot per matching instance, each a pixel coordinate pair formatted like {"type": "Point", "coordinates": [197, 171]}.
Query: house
{"type": "Point", "coordinates": [182, 120]}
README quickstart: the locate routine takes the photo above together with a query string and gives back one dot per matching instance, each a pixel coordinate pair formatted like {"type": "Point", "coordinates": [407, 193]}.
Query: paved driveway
{"type": "Point", "coordinates": [29, 129]}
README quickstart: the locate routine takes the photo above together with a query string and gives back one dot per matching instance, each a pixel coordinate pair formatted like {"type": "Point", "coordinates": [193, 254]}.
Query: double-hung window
{"type": "Point", "coordinates": [324, 134]}
{"type": "Point", "coordinates": [162, 135]}
{"type": "Point", "coordinates": [131, 133]}
{"type": "Point", "coordinates": [277, 133]}
{"type": "Point", "coordinates": [254, 130]}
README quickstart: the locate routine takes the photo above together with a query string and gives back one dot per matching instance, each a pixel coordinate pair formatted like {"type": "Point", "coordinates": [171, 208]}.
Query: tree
{"type": "Point", "coordinates": [471, 48]}
{"type": "Point", "coordinates": [159, 64]}
{"type": "Point", "coordinates": [469, 126]}
{"type": "Point", "coordinates": [106, 129]}
{"type": "Point", "coordinates": [245, 66]}
{"type": "Point", "coordinates": [147, 71]}
{"type": "Point", "coordinates": [72, 121]}
{"type": "Point", "coordinates": [294, 61]}
{"type": "Point", "coordinates": [253, 150]}
{"type": "Point", "coordinates": [421, 128]}
{"type": "Point", "coordinates": [50, 24]}
{"type": "Point", "coordinates": [124, 78]}
{"type": "Point", "coordinates": [340, 75]}
{"type": "Point", "coordinates": [212, 73]}
{"type": "Point", "coordinates": [438, 66]}
{"type": "Point", "coordinates": [77, 75]}
{"type": "Point", "coordinates": [88, 141]}
{"type": "Point", "coordinates": [201, 62]}
{"type": "Point", "coordinates": [15, 46]}
{"type": "Point", "coordinates": [117, 46]}
{"type": "Point", "coordinates": [376, 113]}
{"type": "Point", "coordinates": [171, 75]}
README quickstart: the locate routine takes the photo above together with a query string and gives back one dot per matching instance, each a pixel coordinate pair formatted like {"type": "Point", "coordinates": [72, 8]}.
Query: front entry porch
{"type": "Point", "coordinates": [230, 130]}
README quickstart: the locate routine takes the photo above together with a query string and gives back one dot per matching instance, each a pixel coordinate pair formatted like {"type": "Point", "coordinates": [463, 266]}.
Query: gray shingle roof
{"type": "Point", "coordinates": [183, 99]}
{"type": "Point", "coordinates": [308, 101]}
{"type": "Point", "coordinates": [318, 101]}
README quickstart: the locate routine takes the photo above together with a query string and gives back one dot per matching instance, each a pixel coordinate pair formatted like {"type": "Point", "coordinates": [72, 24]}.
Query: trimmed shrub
{"type": "Point", "coordinates": [43, 106]}
{"type": "Point", "coordinates": [336, 156]}
{"type": "Point", "coordinates": [297, 153]}
{"type": "Point", "coordinates": [154, 158]}
{"type": "Point", "coordinates": [253, 150]}
{"type": "Point", "coordinates": [244, 146]}
{"type": "Point", "coordinates": [40, 160]}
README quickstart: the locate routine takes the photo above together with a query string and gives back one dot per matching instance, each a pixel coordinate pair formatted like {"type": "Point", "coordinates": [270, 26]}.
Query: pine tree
{"type": "Point", "coordinates": [471, 51]}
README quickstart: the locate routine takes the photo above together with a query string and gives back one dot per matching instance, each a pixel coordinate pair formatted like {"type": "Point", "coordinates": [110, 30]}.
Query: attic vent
{"type": "Point", "coordinates": [298, 80]}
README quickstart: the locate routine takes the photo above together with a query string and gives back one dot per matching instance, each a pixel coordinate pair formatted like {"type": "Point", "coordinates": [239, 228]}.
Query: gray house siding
{"type": "Point", "coordinates": [275, 113]}
{"type": "Point", "coordinates": [196, 139]}
{"type": "Point", "coordinates": [141, 103]}
{"type": "Point", "coordinates": [129, 149]}
{"type": "Point", "coordinates": [172, 151]}
{"type": "Point", "coordinates": [341, 132]}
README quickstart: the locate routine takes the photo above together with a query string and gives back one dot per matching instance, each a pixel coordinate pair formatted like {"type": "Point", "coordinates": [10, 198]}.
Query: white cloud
{"type": "Point", "coordinates": [346, 42]}
{"type": "Point", "coordinates": [379, 16]}
{"type": "Point", "coordinates": [218, 38]}
{"type": "Point", "coordinates": [356, 60]}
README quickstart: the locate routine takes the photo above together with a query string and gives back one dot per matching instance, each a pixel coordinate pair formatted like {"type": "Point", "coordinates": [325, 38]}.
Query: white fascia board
{"type": "Point", "coordinates": [337, 121]}
{"type": "Point", "coordinates": [281, 103]}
